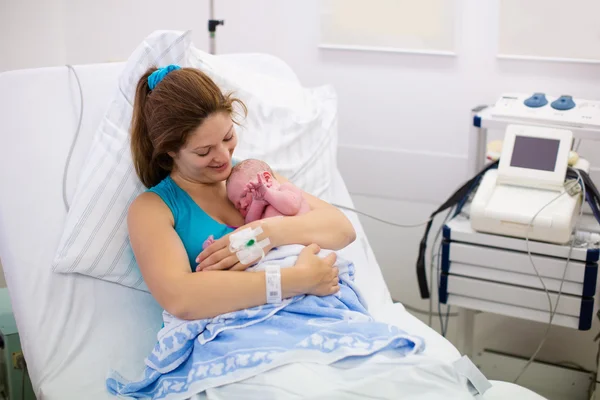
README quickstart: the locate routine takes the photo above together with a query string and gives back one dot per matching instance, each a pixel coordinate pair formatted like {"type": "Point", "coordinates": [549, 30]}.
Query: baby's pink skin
{"type": "Point", "coordinates": [265, 197]}
{"type": "Point", "coordinates": [207, 243]}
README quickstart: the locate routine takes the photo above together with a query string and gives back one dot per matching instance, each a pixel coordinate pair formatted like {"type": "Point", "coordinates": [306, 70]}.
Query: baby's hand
{"type": "Point", "coordinates": [206, 243]}
{"type": "Point", "coordinates": [248, 189]}
{"type": "Point", "coordinates": [260, 188]}
{"type": "Point", "coordinates": [244, 205]}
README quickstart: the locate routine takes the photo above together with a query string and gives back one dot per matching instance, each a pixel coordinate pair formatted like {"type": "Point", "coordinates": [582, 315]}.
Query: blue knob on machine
{"type": "Point", "coordinates": [536, 100]}
{"type": "Point", "coordinates": [563, 103]}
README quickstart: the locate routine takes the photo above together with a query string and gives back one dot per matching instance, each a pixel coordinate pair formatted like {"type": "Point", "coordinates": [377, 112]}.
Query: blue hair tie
{"type": "Point", "coordinates": [159, 74]}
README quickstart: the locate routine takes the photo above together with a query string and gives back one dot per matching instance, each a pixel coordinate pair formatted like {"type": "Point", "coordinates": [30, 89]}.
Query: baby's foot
{"type": "Point", "coordinates": [208, 242]}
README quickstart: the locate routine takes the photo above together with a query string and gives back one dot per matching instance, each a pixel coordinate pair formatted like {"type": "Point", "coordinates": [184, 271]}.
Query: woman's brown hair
{"type": "Point", "coordinates": [164, 117]}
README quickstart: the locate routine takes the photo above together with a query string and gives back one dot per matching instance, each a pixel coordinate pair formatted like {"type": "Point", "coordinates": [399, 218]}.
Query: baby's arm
{"type": "Point", "coordinates": [255, 210]}
{"type": "Point", "coordinates": [287, 199]}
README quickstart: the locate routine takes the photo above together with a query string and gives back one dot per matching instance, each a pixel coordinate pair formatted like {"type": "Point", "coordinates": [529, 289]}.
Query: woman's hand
{"type": "Point", "coordinates": [217, 256]}
{"type": "Point", "coordinates": [319, 276]}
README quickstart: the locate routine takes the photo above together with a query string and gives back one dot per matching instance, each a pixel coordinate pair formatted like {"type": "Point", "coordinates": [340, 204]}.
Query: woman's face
{"type": "Point", "coordinates": [206, 157]}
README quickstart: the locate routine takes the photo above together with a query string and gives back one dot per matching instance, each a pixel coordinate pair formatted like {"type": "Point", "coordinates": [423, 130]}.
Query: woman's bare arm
{"type": "Point", "coordinates": [324, 225]}
{"type": "Point", "coordinates": [164, 264]}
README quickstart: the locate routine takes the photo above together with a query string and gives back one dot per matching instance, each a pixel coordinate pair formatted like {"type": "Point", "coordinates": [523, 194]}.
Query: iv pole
{"type": "Point", "coordinates": [212, 27]}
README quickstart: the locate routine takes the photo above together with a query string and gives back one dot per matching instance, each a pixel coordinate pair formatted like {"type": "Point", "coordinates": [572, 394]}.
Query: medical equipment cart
{"type": "Point", "coordinates": [493, 273]}
{"type": "Point", "coordinates": [14, 380]}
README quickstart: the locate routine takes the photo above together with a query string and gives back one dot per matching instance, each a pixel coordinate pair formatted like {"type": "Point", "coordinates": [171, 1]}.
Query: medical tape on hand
{"type": "Point", "coordinates": [246, 246]}
{"type": "Point", "coordinates": [273, 283]}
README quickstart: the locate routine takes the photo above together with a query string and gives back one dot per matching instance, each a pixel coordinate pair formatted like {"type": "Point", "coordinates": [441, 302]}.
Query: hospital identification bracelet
{"type": "Point", "coordinates": [273, 281]}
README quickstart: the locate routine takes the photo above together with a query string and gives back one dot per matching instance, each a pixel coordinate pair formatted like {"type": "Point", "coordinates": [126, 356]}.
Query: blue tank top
{"type": "Point", "coordinates": [192, 224]}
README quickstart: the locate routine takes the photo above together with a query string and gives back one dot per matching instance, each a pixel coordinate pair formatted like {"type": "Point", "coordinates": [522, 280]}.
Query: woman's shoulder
{"type": "Point", "coordinates": [162, 186]}
{"type": "Point", "coordinates": [167, 190]}
{"type": "Point", "coordinates": [147, 200]}
{"type": "Point", "coordinates": [148, 206]}
{"type": "Point", "coordinates": [155, 198]}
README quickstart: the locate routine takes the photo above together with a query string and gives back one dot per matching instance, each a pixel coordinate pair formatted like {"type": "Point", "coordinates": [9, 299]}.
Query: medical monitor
{"type": "Point", "coordinates": [534, 156]}
{"type": "Point", "coordinates": [535, 153]}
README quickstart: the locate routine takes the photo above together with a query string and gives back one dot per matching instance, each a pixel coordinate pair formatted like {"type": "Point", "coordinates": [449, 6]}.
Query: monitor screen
{"type": "Point", "coordinates": [535, 153]}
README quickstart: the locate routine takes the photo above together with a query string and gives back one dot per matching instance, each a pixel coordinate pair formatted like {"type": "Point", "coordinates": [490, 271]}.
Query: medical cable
{"type": "Point", "coordinates": [425, 312]}
{"type": "Point", "coordinates": [66, 169]}
{"type": "Point", "coordinates": [456, 198]}
{"type": "Point", "coordinates": [552, 310]}
{"type": "Point", "coordinates": [431, 267]}
{"type": "Point", "coordinates": [435, 314]}
{"type": "Point", "coordinates": [429, 312]}
{"type": "Point", "coordinates": [437, 262]}
{"type": "Point", "coordinates": [595, 211]}
{"type": "Point", "coordinates": [443, 324]}
{"type": "Point", "coordinates": [381, 220]}
{"type": "Point", "coordinates": [439, 304]}
{"type": "Point", "coordinates": [573, 365]}
{"type": "Point", "coordinates": [592, 194]}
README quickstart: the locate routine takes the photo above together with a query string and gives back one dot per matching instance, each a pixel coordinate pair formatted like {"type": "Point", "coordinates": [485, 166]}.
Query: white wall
{"type": "Point", "coordinates": [404, 117]}
{"type": "Point", "coordinates": [32, 33]}
{"type": "Point", "coordinates": [109, 30]}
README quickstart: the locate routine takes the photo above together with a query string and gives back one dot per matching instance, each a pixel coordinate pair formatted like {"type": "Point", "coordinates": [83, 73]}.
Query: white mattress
{"type": "Point", "coordinates": [74, 328]}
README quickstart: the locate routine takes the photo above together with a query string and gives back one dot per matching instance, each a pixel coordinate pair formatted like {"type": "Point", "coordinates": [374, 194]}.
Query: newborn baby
{"type": "Point", "coordinates": [255, 192]}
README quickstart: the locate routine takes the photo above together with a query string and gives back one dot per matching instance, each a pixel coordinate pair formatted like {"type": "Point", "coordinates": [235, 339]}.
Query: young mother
{"type": "Point", "coordinates": [182, 140]}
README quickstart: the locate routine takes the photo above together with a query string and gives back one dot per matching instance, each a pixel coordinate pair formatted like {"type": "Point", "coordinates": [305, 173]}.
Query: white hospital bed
{"type": "Point", "coordinates": [74, 328]}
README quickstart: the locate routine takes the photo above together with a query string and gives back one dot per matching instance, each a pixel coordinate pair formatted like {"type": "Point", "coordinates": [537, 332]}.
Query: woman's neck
{"type": "Point", "coordinates": [193, 186]}
{"type": "Point", "coordinates": [210, 197]}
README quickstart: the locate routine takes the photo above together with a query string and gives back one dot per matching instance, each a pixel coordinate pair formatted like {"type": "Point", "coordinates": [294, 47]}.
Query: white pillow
{"type": "Point", "coordinates": [294, 129]}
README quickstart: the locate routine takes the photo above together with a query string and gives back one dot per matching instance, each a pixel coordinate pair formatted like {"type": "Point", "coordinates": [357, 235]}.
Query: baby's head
{"type": "Point", "coordinates": [243, 173]}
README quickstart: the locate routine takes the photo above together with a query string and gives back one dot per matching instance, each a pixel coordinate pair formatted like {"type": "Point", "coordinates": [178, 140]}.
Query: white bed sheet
{"type": "Point", "coordinates": [74, 328]}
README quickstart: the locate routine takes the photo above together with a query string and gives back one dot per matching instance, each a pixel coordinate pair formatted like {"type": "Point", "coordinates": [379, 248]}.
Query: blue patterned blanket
{"type": "Point", "coordinates": [192, 356]}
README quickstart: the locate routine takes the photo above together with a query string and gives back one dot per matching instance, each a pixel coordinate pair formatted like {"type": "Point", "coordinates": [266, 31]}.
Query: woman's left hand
{"type": "Point", "coordinates": [218, 257]}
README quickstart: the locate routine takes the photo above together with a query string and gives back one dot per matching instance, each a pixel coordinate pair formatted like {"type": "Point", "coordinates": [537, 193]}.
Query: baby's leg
{"type": "Point", "coordinates": [271, 211]}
